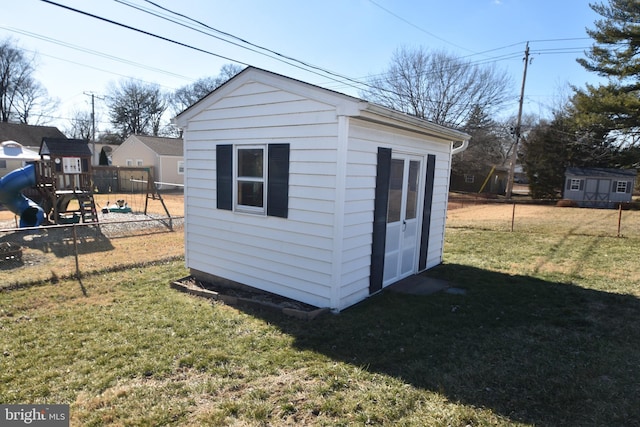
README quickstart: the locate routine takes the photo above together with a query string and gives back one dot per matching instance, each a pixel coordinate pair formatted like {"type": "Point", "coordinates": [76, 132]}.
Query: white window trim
{"type": "Point", "coordinates": [129, 162]}
{"type": "Point", "coordinates": [244, 208]}
{"type": "Point", "coordinates": [621, 185]}
{"type": "Point", "coordinates": [139, 162]}
{"type": "Point", "coordinates": [575, 184]}
{"type": "Point", "coordinates": [180, 167]}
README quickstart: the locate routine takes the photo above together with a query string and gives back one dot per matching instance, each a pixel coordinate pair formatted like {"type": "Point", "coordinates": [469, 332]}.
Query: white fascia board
{"type": "Point", "coordinates": [395, 118]}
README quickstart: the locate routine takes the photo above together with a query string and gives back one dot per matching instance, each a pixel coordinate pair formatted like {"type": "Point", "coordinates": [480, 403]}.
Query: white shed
{"type": "Point", "coordinates": [311, 194]}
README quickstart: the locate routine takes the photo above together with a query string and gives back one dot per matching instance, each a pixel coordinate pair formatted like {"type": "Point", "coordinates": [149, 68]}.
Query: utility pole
{"type": "Point", "coordinates": [93, 123]}
{"type": "Point", "coordinates": [514, 154]}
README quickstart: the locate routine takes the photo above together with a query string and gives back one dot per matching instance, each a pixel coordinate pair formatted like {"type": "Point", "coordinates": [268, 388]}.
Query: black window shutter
{"type": "Point", "coordinates": [568, 183]}
{"type": "Point", "coordinates": [224, 177]}
{"type": "Point", "coordinates": [278, 180]}
{"type": "Point", "coordinates": [581, 184]}
{"type": "Point", "coordinates": [426, 213]}
{"type": "Point", "coordinates": [628, 190]}
{"type": "Point", "coordinates": [380, 208]}
{"type": "Point", "coordinates": [614, 187]}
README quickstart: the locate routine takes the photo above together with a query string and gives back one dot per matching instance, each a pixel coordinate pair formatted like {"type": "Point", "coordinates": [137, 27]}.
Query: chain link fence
{"type": "Point", "coordinates": [542, 217]}
{"type": "Point", "coordinates": [117, 241]}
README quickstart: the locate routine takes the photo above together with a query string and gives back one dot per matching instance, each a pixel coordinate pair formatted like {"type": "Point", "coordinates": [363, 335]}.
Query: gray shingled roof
{"type": "Point", "coordinates": [65, 147]}
{"type": "Point", "coordinates": [602, 172]}
{"type": "Point", "coordinates": [28, 135]}
{"type": "Point", "coordinates": [162, 146]}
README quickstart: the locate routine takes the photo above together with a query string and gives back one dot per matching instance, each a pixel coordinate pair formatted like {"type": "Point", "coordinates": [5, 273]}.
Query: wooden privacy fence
{"type": "Point", "coordinates": [119, 179]}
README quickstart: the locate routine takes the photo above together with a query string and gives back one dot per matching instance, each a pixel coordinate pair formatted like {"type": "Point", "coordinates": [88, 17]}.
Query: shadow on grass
{"type": "Point", "coordinates": [531, 350]}
{"type": "Point", "coordinates": [60, 241]}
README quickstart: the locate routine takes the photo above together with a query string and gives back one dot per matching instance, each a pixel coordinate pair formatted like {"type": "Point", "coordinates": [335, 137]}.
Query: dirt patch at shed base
{"type": "Point", "coordinates": [247, 297]}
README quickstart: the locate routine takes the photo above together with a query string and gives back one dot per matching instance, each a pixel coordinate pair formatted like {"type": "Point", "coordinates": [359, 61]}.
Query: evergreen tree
{"type": "Point", "coordinates": [485, 146]}
{"type": "Point", "coordinates": [612, 110]}
{"type": "Point", "coordinates": [545, 154]}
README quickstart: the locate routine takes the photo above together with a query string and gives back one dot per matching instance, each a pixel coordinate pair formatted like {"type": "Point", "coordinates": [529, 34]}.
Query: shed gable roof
{"type": "Point", "coordinates": [601, 172]}
{"type": "Point", "coordinates": [345, 104]}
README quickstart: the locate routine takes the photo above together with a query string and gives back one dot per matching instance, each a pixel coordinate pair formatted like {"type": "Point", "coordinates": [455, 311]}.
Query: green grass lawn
{"type": "Point", "coordinates": [548, 334]}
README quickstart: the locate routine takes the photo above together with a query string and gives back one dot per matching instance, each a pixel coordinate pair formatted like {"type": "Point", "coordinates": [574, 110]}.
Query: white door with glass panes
{"type": "Point", "coordinates": [403, 224]}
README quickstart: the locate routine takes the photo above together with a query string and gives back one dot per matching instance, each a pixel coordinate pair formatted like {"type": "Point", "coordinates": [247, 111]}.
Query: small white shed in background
{"type": "Point", "coordinates": [311, 194]}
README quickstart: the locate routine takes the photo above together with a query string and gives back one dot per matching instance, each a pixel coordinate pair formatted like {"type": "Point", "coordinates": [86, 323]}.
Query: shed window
{"type": "Point", "coordinates": [181, 167]}
{"type": "Point", "coordinates": [576, 185]}
{"type": "Point", "coordinates": [129, 162]}
{"type": "Point", "coordinates": [139, 162]}
{"type": "Point", "coordinates": [250, 179]}
{"type": "Point", "coordinates": [469, 179]}
{"type": "Point", "coordinates": [622, 186]}
{"type": "Point", "coordinates": [253, 178]}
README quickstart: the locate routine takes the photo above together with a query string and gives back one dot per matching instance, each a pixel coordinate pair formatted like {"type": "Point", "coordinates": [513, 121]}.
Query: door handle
{"type": "Point", "coordinates": [404, 225]}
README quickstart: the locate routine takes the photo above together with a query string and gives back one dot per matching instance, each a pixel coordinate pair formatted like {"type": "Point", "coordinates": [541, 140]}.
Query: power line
{"type": "Point", "coordinates": [147, 33]}
{"type": "Point", "coordinates": [271, 51]}
{"type": "Point", "coordinates": [336, 77]}
{"type": "Point", "coordinates": [92, 52]}
{"type": "Point", "coordinates": [418, 28]}
{"type": "Point", "coordinates": [191, 46]}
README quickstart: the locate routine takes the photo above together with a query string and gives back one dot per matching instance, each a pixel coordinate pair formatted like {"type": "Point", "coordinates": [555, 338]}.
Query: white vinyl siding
{"type": "Point", "coordinates": [321, 253]}
{"type": "Point", "coordinates": [293, 256]}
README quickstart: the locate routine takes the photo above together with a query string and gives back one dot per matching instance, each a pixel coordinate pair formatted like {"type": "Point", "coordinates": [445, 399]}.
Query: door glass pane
{"type": "Point", "coordinates": [395, 190]}
{"type": "Point", "coordinates": [412, 189]}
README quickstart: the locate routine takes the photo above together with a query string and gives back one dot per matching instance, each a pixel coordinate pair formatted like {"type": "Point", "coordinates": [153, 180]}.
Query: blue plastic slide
{"type": "Point", "coordinates": [11, 185]}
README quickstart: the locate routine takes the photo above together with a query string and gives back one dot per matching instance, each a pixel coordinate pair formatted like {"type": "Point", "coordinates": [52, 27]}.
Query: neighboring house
{"type": "Point", "coordinates": [14, 156]}
{"type": "Point", "coordinates": [311, 194]}
{"type": "Point", "coordinates": [27, 135]}
{"type": "Point", "coordinates": [486, 180]}
{"type": "Point", "coordinates": [164, 154]}
{"type": "Point", "coordinates": [599, 187]}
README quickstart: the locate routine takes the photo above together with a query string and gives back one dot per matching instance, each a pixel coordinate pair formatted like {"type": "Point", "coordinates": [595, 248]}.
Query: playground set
{"type": "Point", "coordinates": [59, 186]}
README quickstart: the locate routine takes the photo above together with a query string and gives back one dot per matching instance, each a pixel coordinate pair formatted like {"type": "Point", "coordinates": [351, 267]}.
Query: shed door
{"type": "Point", "coordinates": [402, 218]}
{"type": "Point", "coordinates": [596, 193]}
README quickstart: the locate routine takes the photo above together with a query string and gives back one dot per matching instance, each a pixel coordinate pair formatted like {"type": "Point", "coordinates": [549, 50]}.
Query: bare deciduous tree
{"type": "Point", "coordinates": [188, 95]}
{"type": "Point", "coordinates": [136, 108]}
{"type": "Point", "coordinates": [438, 87]}
{"type": "Point", "coordinates": [32, 104]}
{"type": "Point", "coordinates": [15, 70]}
{"type": "Point", "coordinates": [81, 125]}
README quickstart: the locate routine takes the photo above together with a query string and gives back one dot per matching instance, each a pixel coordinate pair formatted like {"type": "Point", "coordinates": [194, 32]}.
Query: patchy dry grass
{"type": "Point", "coordinates": [547, 334]}
{"type": "Point", "coordinates": [549, 220]}
{"type": "Point", "coordinates": [49, 253]}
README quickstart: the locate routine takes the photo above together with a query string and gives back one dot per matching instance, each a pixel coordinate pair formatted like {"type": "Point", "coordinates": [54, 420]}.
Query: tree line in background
{"type": "Point", "coordinates": [597, 126]}
{"type": "Point", "coordinates": [134, 106]}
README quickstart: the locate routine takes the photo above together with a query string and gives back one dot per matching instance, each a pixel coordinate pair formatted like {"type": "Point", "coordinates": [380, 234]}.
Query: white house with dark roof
{"type": "Point", "coordinates": [309, 193]}
{"type": "Point", "coordinates": [164, 154]}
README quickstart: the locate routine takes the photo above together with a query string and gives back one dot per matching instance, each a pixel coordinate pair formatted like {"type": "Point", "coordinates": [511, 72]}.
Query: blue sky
{"type": "Point", "coordinates": [77, 54]}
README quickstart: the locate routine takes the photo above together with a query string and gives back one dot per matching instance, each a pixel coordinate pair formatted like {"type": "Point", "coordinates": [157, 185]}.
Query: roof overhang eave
{"type": "Point", "coordinates": [370, 110]}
